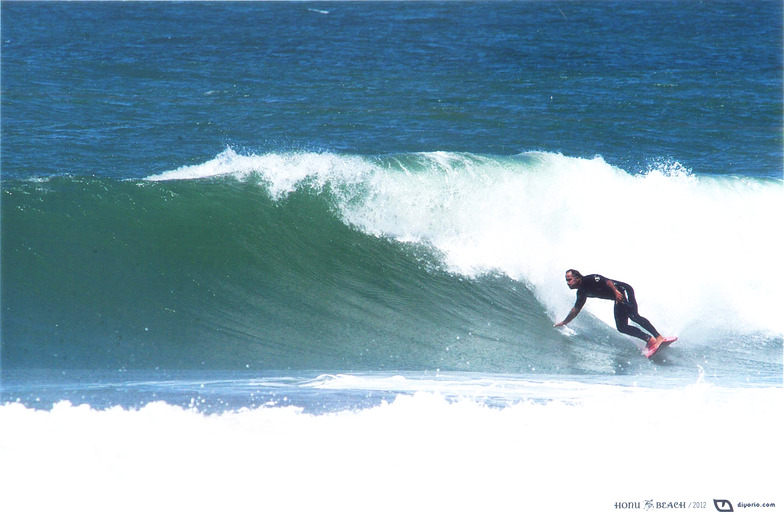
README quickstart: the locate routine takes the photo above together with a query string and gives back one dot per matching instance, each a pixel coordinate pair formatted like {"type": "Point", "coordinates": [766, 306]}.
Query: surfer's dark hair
{"type": "Point", "coordinates": [574, 272]}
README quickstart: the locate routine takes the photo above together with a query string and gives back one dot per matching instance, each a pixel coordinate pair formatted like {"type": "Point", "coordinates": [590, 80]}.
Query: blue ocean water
{"type": "Point", "coordinates": [243, 224]}
{"type": "Point", "coordinates": [127, 90]}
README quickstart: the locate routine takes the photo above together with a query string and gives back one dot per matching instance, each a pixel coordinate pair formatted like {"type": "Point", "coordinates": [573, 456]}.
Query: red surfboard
{"type": "Point", "coordinates": [649, 352]}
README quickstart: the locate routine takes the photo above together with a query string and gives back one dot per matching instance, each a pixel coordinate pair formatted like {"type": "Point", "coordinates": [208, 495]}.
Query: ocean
{"type": "Point", "coordinates": [274, 263]}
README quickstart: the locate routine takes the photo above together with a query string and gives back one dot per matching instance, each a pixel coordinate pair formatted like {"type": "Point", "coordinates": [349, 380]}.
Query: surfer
{"type": "Point", "coordinates": [597, 286]}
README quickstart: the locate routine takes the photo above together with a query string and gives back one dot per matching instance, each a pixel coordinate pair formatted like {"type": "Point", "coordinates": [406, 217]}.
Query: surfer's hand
{"type": "Point", "coordinates": [618, 297]}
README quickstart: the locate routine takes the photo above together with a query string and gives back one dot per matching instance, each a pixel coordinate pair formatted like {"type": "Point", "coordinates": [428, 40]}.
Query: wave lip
{"type": "Point", "coordinates": [281, 173]}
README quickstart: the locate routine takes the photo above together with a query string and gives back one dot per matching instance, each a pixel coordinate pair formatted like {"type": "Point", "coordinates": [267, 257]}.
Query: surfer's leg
{"type": "Point", "coordinates": [634, 315]}
{"type": "Point", "coordinates": [642, 321]}
{"type": "Point", "coordinates": [622, 323]}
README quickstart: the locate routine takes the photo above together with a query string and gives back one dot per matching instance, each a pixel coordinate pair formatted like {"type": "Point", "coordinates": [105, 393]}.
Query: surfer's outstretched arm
{"type": "Point", "coordinates": [573, 313]}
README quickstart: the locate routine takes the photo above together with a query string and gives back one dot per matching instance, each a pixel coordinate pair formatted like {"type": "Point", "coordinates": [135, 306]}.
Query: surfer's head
{"type": "Point", "coordinates": [573, 278]}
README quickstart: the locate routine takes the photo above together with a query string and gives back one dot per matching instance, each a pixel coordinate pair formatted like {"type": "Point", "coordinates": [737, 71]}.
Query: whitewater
{"type": "Point", "coordinates": [423, 458]}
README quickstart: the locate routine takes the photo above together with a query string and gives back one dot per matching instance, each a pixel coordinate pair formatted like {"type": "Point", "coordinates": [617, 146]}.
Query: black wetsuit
{"type": "Point", "coordinates": [595, 286]}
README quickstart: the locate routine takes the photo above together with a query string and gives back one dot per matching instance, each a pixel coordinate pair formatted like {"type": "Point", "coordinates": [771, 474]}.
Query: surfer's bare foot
{"type": "Point", "coordinates": [654, 343]}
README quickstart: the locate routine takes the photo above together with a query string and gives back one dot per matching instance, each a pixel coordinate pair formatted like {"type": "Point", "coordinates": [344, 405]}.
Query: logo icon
{"type": "Point", "coordinates": [723, 505]}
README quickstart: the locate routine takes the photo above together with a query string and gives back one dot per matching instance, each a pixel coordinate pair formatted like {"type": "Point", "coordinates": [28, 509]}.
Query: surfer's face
{"type": "Point", "coordinates": [572, 281]}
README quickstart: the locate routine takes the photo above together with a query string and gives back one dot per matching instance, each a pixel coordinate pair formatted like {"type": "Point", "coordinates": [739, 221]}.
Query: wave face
{"type": "Point", "coordinates": [413, 261]}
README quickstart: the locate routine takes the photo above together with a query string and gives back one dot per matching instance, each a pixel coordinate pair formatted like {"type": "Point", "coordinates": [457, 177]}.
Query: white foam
{"type": "Point", "coordinates": [282, 173]}
{"type": "Point", "coordinates": [419, 460]}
